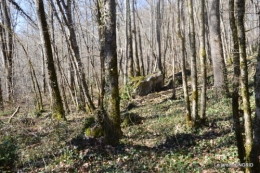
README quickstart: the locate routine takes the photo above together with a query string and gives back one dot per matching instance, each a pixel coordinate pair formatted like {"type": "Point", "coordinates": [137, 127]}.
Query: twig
{"type": "Point", "coordinates": [15, 112]}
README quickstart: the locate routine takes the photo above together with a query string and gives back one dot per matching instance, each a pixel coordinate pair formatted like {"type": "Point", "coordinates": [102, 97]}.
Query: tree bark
{"type": "Point", "coordinates": [203, 70]}
{"type": "Point", "coordinates": [255, 154]}
{"type": "Point", "coordinates": [134, 32]}
{"type": "Point", "coordinates": [100, 22]}
{"type": "Point", "coordinates": [111, 125]}
{"type": "Point", "coordinates": [129, 41]}
{"type": "Point", "coordinates": [158, 36]}
{"type": "Point", "coordinates": [235, 94]}
{"type": "Point", "coordinates": [194, 82]}
{"type": "Point", "coordinates": [57, 106]}
{"type": "Point", "coordinates": [6, 38]}
{"type": "Point", "coordinates": [183, 63]}
{"type": "Point", "coordinates": [240, 11]}
{"type": "Point", "coordinates": [141, 51]}
{"type": "Point", "coordinates": [219, 68]}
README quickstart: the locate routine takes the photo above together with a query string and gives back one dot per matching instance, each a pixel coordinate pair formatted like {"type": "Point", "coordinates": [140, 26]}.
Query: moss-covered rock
{"type": "Point", "coordinates": [92, 128]}
{"type": "Point", "coordinates": [94, 132]}
{"type": "Point", "coordinates": [89, 122]}
{"type": "Point", "coordinates": [128, 119]}
{"type": "Point", "coordinates": [145, 85]}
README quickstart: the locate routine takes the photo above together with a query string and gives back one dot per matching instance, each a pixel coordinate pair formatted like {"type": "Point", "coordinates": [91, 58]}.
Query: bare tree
{"type": "Point", "coordinates": [240, 11]}
{"type": "Point", "coordinates": [183, 63]}
{"type": "Point", "coordinates": [134, 32]}
{"type": "Point", "coordinates": [57, 106]}
{"type": "Point", "coordinates": [219, 68]}
{"type": "Point", "coordinates": [203, 62]}
{"type": "Point", "coordinates": [193, 64]}
{"type": "Point", "coordinates": [129, 41]}
{"type": "Point", "coordinates": [67, 17]}
{"type": "Point", "coordinates": [158, 35]}
{"type": "Point", "coordinates": [6, 39]}
{"type": "Point", "coordinates": [111, 123]}
{"type": "Point", "coordinates": [255, 153]}
{"type": "Point", "coordinates": [235, 94]}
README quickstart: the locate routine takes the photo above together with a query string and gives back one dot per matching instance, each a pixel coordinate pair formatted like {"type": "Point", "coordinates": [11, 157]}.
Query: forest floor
{"type": "Point", "coordinates": [160, 143]}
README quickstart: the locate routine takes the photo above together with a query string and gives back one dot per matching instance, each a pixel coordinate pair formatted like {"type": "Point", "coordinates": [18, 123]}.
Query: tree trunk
{"type": "Point", "coordinates": [57, 106]}
{"type": "Point", "coordinates": [194, 82]}
{"type": "Point", "coordinates": [183, 64]}
{"type": "Point", "coordinates": [240, 11]}
{"type": "Point", "coordinates": [141, 52]}
{"type": "Point", "coordinates": [134, 31]}
{"type": "Point", "coordinates": [101, 44]}
{"type": "Point", "coordinates": [6, 38]}
{"type": "Point", "coordinates": [129, 41]}
{"type": "Point", "coordinates": [219, 68]}
{"type": "Point", "coordinates": [173, 79]}
{"type": "Point", "coordinates": [44, 85]}
{"type": "Point", "coordinates": [158, 36]}
{"type": "Point", "coordinates": [235, 94]}
{"type": "Point", "coordinates": [203, 70]}
{"type": "Point", "coordinates": [255, 154]}
{"type": "Point", "coordinates": [111, 124]}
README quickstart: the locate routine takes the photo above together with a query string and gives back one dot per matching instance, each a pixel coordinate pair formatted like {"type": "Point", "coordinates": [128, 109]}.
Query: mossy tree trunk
{"type": "Point", "coordinates": [111, 124]}
{"type": "Point", "coordinates": [240, 11]}
{"type": "Point", "coordinates": [255, 154]}
{"type": "Point", "coordinates": [6, 39]}
{"type": "Point", "coordinates": [203, 69]}
{"type": "Point", "coordinates": [219, 67]}
{"type": "Point", "coordinates": [194, 82]}
{"type": "Point", "coordinates": [57, 106]}
{"type": "Point", "coordinates": [235, 94]}
{"type": "Point", "coordinates": [183, 63]}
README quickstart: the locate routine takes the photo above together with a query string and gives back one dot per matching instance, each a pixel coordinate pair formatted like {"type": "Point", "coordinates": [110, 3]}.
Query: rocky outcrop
{"type": "Point", "coordinates": [150, 83]}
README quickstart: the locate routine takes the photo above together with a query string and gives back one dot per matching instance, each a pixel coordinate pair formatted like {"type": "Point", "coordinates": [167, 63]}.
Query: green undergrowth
{"type": "Point", "coordinates": [158, 142]}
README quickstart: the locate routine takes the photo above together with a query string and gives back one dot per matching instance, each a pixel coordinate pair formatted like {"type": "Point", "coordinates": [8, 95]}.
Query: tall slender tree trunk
{"type": "Point", "coordinates": [183, 63]}
{"type": "Point", "coordinates": [57, 106]}
{"type": "Point", "coordinates": [129, 41]}
{"type": "Point", "coordinates": [126, 43]}
{"type": "Point", "coordinates": [100, 22]}
{"type": "Point", "coordinates": [134, 32]}
{"type": "Point", "coordinates": [240, 11]}
{"type": "Point", "coordinates": [194, 82]}
{"type": "Point", "coordinates": [203, 68]}
{"type": "Point", "coordinates": [111, 124]}
{"type": "Point", "coordinates": [6, 38]}
{"type": "Point", "coordinates": [208, 48]}
{"type": "Point", "coordinates": [235, 94]}
{"type": "Point", "coordinates": [158, 35]}
{"type": "Point", "coordinates": [141, 51]}
{"type": "Point", "coordinates": [219, 68]}
{"type": "Point", "coordinates": [255, 153]}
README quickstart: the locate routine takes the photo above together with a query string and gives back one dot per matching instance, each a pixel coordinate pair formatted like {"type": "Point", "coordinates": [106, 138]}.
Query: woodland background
{"type": "Point", "coordinates": [72, 72]}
